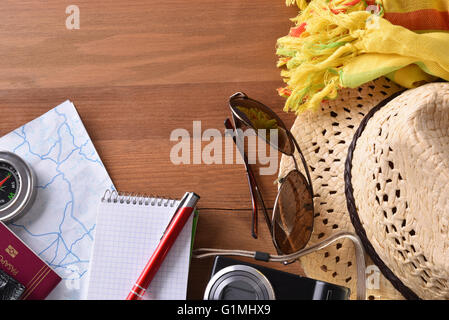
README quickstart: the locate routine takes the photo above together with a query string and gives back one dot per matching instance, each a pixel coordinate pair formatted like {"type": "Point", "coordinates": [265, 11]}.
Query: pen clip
{"type": "Point", "coordinates": [181, 202]}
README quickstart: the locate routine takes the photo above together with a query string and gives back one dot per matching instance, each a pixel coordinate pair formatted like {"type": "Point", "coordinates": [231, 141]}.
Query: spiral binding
{"type": "Point", "coordinates": [113, 196]}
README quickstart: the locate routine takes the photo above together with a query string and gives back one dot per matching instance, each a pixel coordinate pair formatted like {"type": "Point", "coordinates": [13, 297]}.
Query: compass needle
{"type": "Point", "coordinates": [4, 180]}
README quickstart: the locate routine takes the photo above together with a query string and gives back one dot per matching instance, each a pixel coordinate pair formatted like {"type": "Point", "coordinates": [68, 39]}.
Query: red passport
{"type": "Point", "coordinates": [21, 263]}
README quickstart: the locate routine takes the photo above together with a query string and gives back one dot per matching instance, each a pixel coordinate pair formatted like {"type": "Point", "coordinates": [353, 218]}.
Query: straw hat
{"type": "Point", "coordinates": [381, 170]}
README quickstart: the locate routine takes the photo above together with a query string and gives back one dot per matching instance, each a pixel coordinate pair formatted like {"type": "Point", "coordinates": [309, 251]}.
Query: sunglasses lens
{"type": "Point", "coordinates": [293, 214]}
{"type": "Point", "coordinates": [258, 116]}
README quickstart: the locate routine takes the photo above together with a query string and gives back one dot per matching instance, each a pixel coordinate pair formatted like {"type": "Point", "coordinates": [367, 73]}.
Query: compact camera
{"type": "Point", "coordinates": [237, 280]}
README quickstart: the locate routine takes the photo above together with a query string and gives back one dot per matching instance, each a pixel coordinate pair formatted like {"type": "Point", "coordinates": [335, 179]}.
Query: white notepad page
{"type": "Point", "coordinates": [125, 237]}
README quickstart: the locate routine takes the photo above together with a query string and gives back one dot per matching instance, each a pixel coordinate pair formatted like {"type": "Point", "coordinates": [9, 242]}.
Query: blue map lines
{"type": "Point", "coordinates": [71, 180]}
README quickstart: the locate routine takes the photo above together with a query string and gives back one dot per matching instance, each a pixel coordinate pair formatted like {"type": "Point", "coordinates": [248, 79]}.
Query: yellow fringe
{"type": "Point", "coordinates": [302, 4]}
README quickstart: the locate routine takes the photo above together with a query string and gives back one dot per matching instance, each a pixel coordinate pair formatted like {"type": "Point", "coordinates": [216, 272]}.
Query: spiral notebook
{"type": "Point", "coordinates": [127, 231]}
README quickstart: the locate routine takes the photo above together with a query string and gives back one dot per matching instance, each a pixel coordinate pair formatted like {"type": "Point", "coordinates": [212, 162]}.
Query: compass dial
{"type": "Point", "coordinates": [17, 186]}
{"type": "Point", "coordinates": [9, 184]}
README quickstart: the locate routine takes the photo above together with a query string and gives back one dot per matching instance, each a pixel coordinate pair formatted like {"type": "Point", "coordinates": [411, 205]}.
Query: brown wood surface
{"type": "Point", "coordinates": [136, 70]}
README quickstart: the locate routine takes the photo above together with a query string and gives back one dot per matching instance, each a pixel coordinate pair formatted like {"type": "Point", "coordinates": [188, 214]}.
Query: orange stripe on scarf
{"type": "Point", "coordinates": [427, 19]}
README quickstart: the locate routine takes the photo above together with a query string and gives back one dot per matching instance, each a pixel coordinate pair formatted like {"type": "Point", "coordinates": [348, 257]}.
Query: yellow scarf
{"type": "Point", "coordinates": [346, 43]}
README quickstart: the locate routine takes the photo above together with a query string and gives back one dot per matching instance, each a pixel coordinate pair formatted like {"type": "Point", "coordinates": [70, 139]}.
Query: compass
{"type": "Point", "coordinates": [17, 186]}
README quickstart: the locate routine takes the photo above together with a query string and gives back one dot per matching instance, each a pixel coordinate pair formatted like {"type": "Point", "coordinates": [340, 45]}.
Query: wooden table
{"type": "Point", "coordinates": [136, 70]}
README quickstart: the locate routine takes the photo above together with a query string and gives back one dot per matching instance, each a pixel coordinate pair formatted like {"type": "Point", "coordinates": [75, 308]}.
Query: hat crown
{"type": "Point", "coordinates": [400, 179]}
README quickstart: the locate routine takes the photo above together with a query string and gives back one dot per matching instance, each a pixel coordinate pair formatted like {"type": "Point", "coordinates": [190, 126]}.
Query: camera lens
{"type": "Point", "coordinates": [238, 290]}
{"type": "Point", "coordinates": [239, 282]}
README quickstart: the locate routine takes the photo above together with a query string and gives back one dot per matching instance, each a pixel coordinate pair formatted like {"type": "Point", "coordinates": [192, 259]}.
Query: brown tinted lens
{"type": "Point", "coordinates": [293, 214]}
{"type": "Point", "coordinates": [259, 116]}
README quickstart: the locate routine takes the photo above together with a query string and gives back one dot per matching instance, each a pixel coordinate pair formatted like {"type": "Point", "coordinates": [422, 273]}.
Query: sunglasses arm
{"type": "Point", "coordinates": [252, 186]}
{"type": "Point", "coordinates": [359, 254]}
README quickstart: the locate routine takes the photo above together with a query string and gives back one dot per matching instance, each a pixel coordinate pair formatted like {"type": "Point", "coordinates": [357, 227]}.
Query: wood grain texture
{"type": "Point", "coordinates": [136, 70]}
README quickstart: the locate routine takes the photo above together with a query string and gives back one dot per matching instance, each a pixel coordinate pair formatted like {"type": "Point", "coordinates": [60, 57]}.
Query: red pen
{"type": "Point", "coordinates": [176, 224]}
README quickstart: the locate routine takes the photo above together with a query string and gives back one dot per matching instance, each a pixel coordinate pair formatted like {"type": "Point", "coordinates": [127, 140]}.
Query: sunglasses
{"type": "Point", "coordinates": [291, 221]}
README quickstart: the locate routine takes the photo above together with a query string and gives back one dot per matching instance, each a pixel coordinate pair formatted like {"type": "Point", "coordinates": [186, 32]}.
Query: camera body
{"type": "Point", "coordinates": [238, 280]}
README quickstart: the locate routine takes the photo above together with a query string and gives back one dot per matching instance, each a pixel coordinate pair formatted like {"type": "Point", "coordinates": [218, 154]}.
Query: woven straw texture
{"type": "Point", "coordinates": [324, 137]}
{"type": "Point", "coordinates": [400, 178]}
